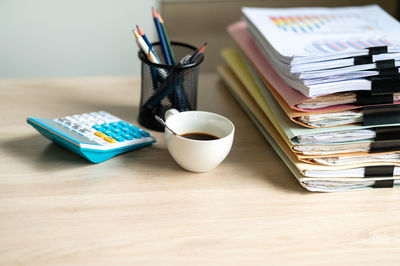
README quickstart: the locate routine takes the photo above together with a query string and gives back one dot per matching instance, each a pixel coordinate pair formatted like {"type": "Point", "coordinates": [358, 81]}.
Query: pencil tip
{"type": "Point", "coordinates": [202, 48]}
{"type": "Point", "coordinates": [160, 18]}
{"type": "Point", "coordinates": [140, 30]}
{"type": "Point", "coordinates": [136, 34]}
{"type": "Point", "coordinates": [154, 12]}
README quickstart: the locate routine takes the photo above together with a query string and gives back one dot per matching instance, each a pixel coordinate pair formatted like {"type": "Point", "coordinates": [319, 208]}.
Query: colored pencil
{"type": "Point", "coordinates": [161, 37]}
{"type": "Point", "coordinates": [160, 71]}
{"type": "Point", "coordinates": [189, 58]}
{"type": "Point", "coordinates": [141, 43]}
{"type": "Point", "coordinates": [150, 55]}
{"type": "Point", "coordinates": [171, 52]}
{"type": "Point", "coordinates": [141, 33]}
{"type": "Point", "coordinates": [197, 52]}
{"type": "Point", "coordinates": [143, 46]}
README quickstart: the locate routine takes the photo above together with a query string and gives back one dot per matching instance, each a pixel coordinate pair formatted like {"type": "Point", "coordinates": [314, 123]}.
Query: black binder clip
{"type": "Point", "coordinates": [389, 72]}
{"type": "Point", "coordinates": [386, 139]}
{"type": "Point", "coordinates": [385, 85]}
{"type": "Point", "coordinates": [381, 115]}
{"type": "Point", "coordinates": [363, 59]}
{"type": "Point", "coordinates": [367, 59]}
{"type": "Point", "coordinates": [377, 50]}
{"type": "Point", "coordinates": [378, 171]}
{"type": "Point", "coordinates": [384, 146]}
{"type": "Point", "coordinates": [388, 183]}
{"type": "Point", "coordinates": [383, 64]}
{"type": "Point", "coordinates": [387, 133]}
{"type": "Point", "coordinates": [366, 98]}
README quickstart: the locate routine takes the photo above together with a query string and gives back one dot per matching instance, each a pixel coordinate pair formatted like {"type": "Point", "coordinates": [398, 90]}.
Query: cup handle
{"type": "Point", "coordinates": [170, 112]}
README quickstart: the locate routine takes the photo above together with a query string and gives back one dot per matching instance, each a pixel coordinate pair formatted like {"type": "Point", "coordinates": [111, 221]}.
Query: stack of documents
{"type": "Point", "coordinates": [331, 139]}
{"type": "Point", "coordinates": [316, 50]}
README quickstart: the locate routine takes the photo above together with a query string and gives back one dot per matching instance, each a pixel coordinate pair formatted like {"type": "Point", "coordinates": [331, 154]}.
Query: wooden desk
{"type": "Point", "coordinates": [141, 208]}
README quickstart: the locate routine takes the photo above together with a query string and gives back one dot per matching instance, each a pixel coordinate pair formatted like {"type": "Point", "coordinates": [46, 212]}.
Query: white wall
{"type": "Point", "coordinates": [65, 38]}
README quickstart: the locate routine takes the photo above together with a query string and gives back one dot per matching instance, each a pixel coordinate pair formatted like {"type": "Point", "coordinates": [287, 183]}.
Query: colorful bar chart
{"type": "Point", "coordinates": [309, 23]}
{"type": "Point", "coordinates": [340, 46]}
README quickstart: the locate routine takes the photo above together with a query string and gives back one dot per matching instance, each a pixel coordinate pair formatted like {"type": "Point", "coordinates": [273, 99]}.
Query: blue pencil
{"type": "Point", "coordinates": [141, 33]}
{"type": "Point", "coordinates": [162, 39]}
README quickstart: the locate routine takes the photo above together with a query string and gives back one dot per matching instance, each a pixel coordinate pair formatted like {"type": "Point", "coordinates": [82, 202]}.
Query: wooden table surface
{"type": "Point", "coordinates": [141, 208]}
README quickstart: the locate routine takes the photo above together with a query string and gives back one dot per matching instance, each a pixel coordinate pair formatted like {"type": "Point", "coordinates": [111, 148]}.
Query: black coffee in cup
{"type": "Point", "coordinates": [199, 136]}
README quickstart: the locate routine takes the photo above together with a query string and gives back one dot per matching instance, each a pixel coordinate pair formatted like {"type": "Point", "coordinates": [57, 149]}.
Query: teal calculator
{"type": "Point", "coordinates": [96, 136]}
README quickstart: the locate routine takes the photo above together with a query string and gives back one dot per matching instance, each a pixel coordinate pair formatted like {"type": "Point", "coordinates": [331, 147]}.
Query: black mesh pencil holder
{"type": "Point", "coordinates": [167, 86]}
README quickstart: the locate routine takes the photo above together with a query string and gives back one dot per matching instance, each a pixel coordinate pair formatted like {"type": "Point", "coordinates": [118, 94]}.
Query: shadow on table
{"type": "Point", "coordinates": [278, 174]}
{"type": "Point", "coordinates": [42, 153]}
{"type": "Point", "coordinates": [49, 157]}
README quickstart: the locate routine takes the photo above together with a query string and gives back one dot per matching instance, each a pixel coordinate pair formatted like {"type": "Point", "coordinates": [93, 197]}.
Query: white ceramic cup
{"type": "Point", "coordinates": [198, 155]}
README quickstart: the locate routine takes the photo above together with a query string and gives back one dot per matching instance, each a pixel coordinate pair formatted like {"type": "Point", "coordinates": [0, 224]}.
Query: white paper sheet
{"type": "Point", "coordinates": [323, 33]}
{"type": "Point", "coordinates": [312, 49]}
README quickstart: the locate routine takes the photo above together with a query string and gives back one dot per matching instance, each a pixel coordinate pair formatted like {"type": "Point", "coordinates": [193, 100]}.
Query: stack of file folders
{"type": "Point", "coordinates": [323, 86]}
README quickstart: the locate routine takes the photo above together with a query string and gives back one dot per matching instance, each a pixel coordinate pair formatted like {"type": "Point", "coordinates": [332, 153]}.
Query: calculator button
{"type": "Point", "coordinates": [112, 118]}
{"type": "Point", "coordinates": [97, 127]}
{"type": "Point", "coordinates": [106, 126]}
{"type": "Point", "coordinates": [83, 130]}
{"type": "Point", "coordinates": [144, 133]}
{"type": "Point", "coordinates": [98, 122]}
{"type": "Point", "coordinates": [103, 130]}
{"type": "Point", "coordinates": [110, 139]}
{"type": "Point", "coordinates": [124, 123]}
{"type": "Point", "coordinates": [119, 126]}
{"type": "Point", "coordinates": [85, 125]}
{"type": "Point", "coordinates": [133, 128]}
{"type": "Point", "coordinates": [94, 114]}
{"type": "Point", "coordinates": [117, 131]}
{"type": "Point", "coordinates": [107, 119]}
{"type": "Point", "coordinates": [90, 129]}
{"type": "Point", "coordinates": [113, 135]}
{"type": "Point", "coordinates": [60, 120]}
{"type": "Point", "coordinates": [119, 138]}
{"type": "Point", "coordinates": [128, 137]}
{"type": "Point", "coordinates": [71, 119]}
{"type": "Point", "coordinates": [100, 134]}
{"type": "Point", "coordinates": [136, 135]}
